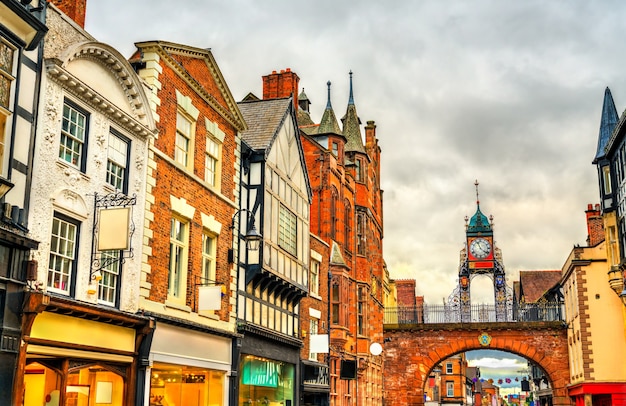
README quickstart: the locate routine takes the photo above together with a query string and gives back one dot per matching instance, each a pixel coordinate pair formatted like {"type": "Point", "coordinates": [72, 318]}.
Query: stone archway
{"type": "Point", "coordinates": [412, 352]}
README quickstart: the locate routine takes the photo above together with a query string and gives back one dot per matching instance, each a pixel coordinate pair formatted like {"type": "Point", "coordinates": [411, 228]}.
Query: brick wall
{"type": "Point", "coordinates": [595, 225]}
{"type": "Point", "coordinates": [406, 292]}
{"type": "Point", "coordinates": [284, 84]}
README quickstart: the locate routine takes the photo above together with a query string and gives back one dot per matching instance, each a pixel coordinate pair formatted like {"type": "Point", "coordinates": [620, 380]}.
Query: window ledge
{"type": "Point", "coordinates": [177, 306]}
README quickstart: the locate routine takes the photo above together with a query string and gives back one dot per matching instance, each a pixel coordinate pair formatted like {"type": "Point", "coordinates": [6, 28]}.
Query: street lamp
{"type": "Point", "coordinates": [5, 186]}
{"type": "Point", "coordinates": [253, 237]}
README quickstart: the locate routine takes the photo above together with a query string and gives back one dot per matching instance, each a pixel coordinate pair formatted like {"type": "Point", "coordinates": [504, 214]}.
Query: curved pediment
{"type": "Point", "coordinates": [101, 76]}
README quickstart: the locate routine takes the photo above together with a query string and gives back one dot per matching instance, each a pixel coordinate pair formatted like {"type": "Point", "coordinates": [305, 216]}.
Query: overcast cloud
{"type": "Point", "coordinates": [505, 92]}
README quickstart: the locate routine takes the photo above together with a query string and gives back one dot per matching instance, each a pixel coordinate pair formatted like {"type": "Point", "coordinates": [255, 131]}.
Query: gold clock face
{"type": "Point", "coordinates": [480, 248]}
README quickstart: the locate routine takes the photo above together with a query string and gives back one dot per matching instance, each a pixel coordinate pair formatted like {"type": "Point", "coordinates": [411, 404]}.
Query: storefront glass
{"type": "Point", "coordinates": [266, 382]}
{"type": "Point", "coordinates": [88, 385]}
{"type": "Point", "coordinates": [177, 385]}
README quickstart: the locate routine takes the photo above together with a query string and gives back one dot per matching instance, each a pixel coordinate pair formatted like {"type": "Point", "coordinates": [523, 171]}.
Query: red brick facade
{"type": "Point", "coordinates": [173, 182]}
{"type": "Point", "coordinates": [405, 289]}
{"type": "Point", "coordinates": [74, 9]}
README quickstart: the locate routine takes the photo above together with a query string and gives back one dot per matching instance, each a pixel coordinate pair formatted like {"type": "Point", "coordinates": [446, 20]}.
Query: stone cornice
{"type": "Point", "coordinates": [56, 72]}
{"type": "Point", "coordinates": [166, 49]}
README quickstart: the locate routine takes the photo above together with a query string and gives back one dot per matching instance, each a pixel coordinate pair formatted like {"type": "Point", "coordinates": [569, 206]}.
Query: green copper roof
{"type": "Point", "coordinates": [479, 223]}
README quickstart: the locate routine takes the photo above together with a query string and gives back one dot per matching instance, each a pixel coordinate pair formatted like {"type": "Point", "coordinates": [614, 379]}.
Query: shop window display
{"type": "Point", "coordinates": [175, 385]}
{"type": "Point", "coordinates": [266, 382]}
{"type": "Point", "coordinates": [87, 385]}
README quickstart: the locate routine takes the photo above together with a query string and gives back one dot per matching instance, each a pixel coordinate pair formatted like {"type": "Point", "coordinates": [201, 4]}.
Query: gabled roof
{"type": "Point", "coordinates": [534, 284]}
{"type": "Point", "coordinates": [608, 121]}
{"type": "Point", "coordinates": [263, 118]}
{"type": "Point", "coordinates": [211, 85]}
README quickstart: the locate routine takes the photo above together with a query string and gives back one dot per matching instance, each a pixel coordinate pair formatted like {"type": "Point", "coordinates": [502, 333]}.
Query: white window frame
{"type": "Point", "coordinates": [183, 144]}
{"type": "Point", "coordinates": [313, 329]}
{"type": "Point", "coordinates": [64, 241]}
{"type": "Point", "coordinates": [314, 285]}
{"type": "Point", "coordinates": [213, 161]}
{"type": "Point", "coordinates": [74, 133]}
{"type": "Point", "coordinates": [179, 257]}
{"type": "Point", "coordinates": [287, 230]}
{"type": "Point", "coordinates": [449, 389]}
{"type": "Point", "coordinates": [209, 249]}
{"type": "Point", "coordinates": [109, 284]}
{"type": "Point", "coordinates": [118, 155]}
{"type": "Point", "coordinates": [448, 368]}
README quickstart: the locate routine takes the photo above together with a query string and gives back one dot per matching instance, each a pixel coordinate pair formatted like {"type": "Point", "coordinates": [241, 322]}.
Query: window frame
{"type": "Point", "coordinates": [114, 269]}
{"type": "Point", "coordinates": [361, 233]}
{"type": "Point", "coordinates": [82, 155]}
{"type": "Point", "coordinates": [215, 158]}
{"type": "Point", "coordinates": [313, 329]}
{"type": "Point", "coordinates": [361, 310]}
{"type": "Point", "coordinates": [287, 230]}
{"type": "Point", "coordinates": [126, 169]}
{"type": "Point", "coordinates": [449, 389]}
{"type": "Point", "coordinates": [314, 276]}
{"type": "Point", "coordinates": [347, 225]}
{"type": "Point", "coordinates": [449, 368]}
{"type": "Point", "coordinates": [335, 303]}
{"type": "Point", "coordinates": [178, 293]}
{"type": "Point", "coordinates": [73, 260]}
{"type": "Point", "coordinates": [188, 151]}
{"type": "Point", "coordinates": [209, 269]}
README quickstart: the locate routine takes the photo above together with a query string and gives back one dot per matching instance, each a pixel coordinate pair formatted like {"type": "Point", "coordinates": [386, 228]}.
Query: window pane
{"type": "Point", "coordinates": [117, 162]}
{"type": "Point", "coordinates": [108, 285]}
{"type": "Point", "coordinates": [72, 135]}
{"type": "Point", "coordinates": [287, 231]}
{"type": "Point", "coordinates": [178, 259]}
{"type": "Point", "coordinates": [183, 139]}
{"type": "Point", "coordinates": [62, 255]}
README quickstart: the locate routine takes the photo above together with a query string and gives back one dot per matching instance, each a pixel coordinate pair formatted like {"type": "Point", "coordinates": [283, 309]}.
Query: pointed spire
{"type": "Point", "coordinates": [351, 98]}
{"type": "Point", "coordinates": [608, 121]}
{"type": "Point", "coordinates": [352, 126]}
{"type": "Point", "coordinates": [329, 124]}
{"type": "Point", "coordinates": [479, 223]}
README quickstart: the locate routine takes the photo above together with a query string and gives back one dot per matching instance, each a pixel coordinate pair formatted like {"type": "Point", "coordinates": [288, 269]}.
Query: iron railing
{"type": "Point", "coordinates": [476, 313]}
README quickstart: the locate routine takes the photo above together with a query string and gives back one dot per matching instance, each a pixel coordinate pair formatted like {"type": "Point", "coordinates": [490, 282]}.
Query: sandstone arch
{"type": "Point", "coordinates": [411, 352]}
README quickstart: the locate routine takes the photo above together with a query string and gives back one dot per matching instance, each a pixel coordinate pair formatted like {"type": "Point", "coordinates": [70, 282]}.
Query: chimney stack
{"type": "Point", "coordinates": [279, 85]}
{"type": "Point", "coordinates": [595, 225]}
{"type": "Point", "coordinates": [74, 9]}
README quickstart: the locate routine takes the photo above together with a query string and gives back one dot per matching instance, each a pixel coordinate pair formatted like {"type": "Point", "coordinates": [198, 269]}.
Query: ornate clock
{"type": "Point", "coordinates": [480, 248]}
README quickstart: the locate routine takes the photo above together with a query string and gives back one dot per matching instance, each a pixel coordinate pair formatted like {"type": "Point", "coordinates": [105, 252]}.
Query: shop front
{"type": "Point", "coordinates": [77, 354]}
{"type": "Point", "coordinates": [315, 384]}
{"type": "Point", "coordinates": [268, 373]}
{"type": "Point", "coordinates": [188, 366]}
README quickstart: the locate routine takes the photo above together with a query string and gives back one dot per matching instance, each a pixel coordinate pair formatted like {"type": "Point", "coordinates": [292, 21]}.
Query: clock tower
{"type": "Point", "coordinates": [480, 256]}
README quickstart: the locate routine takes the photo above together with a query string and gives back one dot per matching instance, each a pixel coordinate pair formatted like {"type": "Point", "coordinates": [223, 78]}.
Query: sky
{"type": "Point", "coordinates": [507, 93]}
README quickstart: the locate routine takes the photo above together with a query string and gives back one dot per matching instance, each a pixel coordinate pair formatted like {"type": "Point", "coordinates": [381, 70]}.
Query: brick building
{"type": "Point", "coordinates": [188, 284]}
